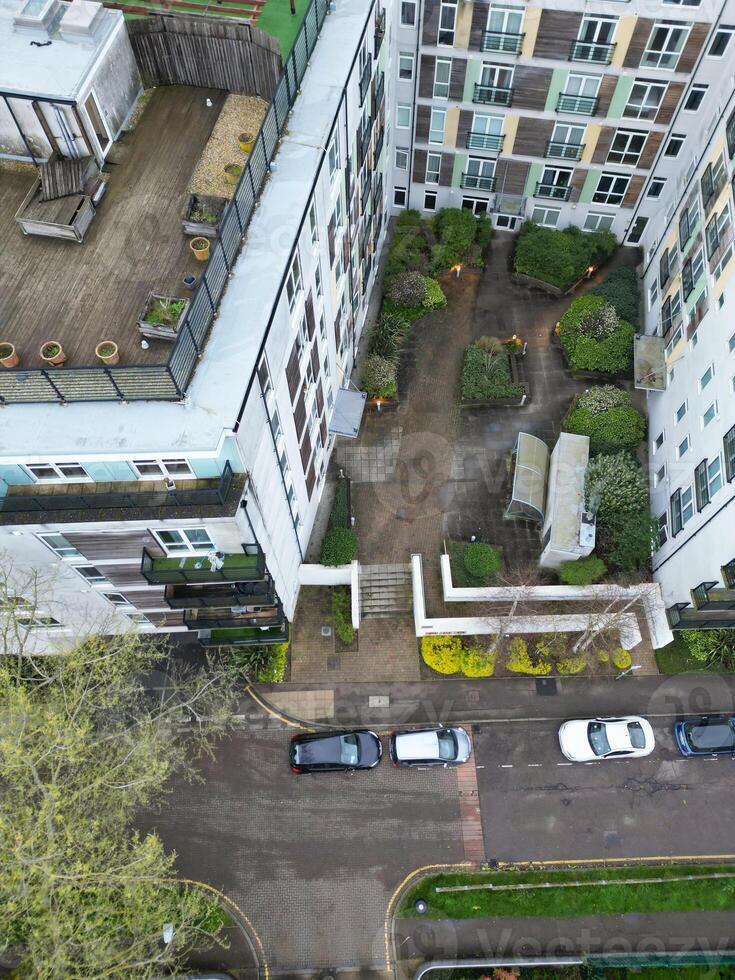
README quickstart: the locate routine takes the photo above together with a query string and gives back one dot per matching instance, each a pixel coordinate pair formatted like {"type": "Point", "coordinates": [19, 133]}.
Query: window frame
{"type": "Point", "coordinates": [407, 5]}
{"type": "Point", "coordinates": [656, 55]}
{"type": "Point", "coordinates": [404, 107]}
{"type": "Point", "coordinates": [446, 35]}
{"type": "Point", "coordinates": [401, 149]}
{"type": "Point", "coordinates": [612, 198]}
{"type": "Point", "coordinates": [676, 140]}
{"type": "Point", "coordinates": [433, 172]}
{"type": "Point", "coordinates": [697, 89]}
{"type": "Point", "coordinates": [43, 535]}
{"type": "Point", "coordinates": [185, 546]}
{"type": "Point", "coordinates": [444, 62]}
{"type": "Point", "coordinates": [435, 110]}
{"type": "Point", "coordinates": [629, 135]}
{"type": "Point", "coordinates": [294, 281]}
{"type": "Point", "coordinates": [641, 108]}
{"type": "Point", "coordinates": [406, 56]}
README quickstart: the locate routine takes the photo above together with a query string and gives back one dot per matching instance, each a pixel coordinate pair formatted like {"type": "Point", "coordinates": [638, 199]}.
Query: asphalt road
{"type": "Point", "coordinates": [537, 806]}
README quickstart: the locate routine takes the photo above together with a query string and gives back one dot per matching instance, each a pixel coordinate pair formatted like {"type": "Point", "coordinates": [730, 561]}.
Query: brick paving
{"type": "Point", "coordinates": [469, 812]}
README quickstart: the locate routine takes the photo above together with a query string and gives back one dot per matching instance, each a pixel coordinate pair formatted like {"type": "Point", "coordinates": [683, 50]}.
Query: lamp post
{"type": "Point", "coordinates": [628, 670]}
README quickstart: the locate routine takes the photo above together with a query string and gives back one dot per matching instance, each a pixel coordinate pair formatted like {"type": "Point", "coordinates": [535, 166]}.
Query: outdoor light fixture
{"type": "Point", "coordinates": [378, 404]}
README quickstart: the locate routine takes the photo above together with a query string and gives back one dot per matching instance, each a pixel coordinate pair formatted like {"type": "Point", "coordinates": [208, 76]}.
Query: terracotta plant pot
{"type": "Point", "coordinates": [8, 357]}
{"type": "Point", "coordinates": [232, 172]}
{"type": "Point", "coordinates": [246, 142]}
{"type": "Point", "coordinates": [53, 353]}
{"type": "Point", "coordinates": [108, 352]}
{"type": "Point", "coordinates": [200, 248]}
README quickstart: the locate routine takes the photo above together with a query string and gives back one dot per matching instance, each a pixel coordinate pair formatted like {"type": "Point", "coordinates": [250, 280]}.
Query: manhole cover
{"type": "Point", "coordinates": [326, 630]}
{"type": "Point", "coordinates": [334, 663]}
{"type": "Point", "coordinates": [473, 697]}
{"type": "Point", "coordinates": [546, 686]}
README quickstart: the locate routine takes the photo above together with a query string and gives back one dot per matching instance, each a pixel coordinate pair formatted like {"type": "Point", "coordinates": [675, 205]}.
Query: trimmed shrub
{"type": "Point", "coordinates": [407, 289]}
{"type": "Point", "coordinates": [603, 656]}
{"type": "Point", "coordinates": [601, 323]}
{"type": "Point", "coordinates": [559, 257]}
{"type": "Point", "coordinates": [615, 485]}
{"type": "Point", "coordinates": [551, 647]}
{"type": "Point", "coordinates": [339, 546]}
{"type": "Point", "coordinates": [584, 571]}
{"type": "Point", "coordinates": [442, 653]}
{"type": "Point", "coordinates": [629, 540]}
{"type": "Point", "coordinates": [435, 298]}
{"type": "Point", "coordinates": [571, 665]}
{"type": "Point", "coordinates": [609, 432]}
{"type": "Point", "coordinates": [340, 513]}
{"type": "Point", "coordinates": [622, 291]}
{"type": "Point", "coordinates": [410, 218]}
{"type": "Point", "coordinates": [342, 615]}
{"type": "Point", "coordinates": [519, 660]}
{"type": "Point", "coordinates": [484, 231]}
{"type": "Point", "coordinates": [474, 661]}
{"type": "Point", "coordinates": [275, 670]}
{"type": "Point", "coordinates": [486, 376]}
{"type": "Point", "coordinates": [481, 560]}
{"type": "Point", "coordinates": [611, 355]}
{"type": "Point", "coordinates": [622, 659]}
{"type": "Point", "coordinates": [378, 376]}
{"type": "Point", "coordinates": [601, 398]}
{"type": "Point", "coordinates": [388, 334]}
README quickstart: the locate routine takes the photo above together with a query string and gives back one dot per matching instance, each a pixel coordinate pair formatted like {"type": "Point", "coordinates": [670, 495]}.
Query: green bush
{"type": "Point", "coordinates": [559, 257]}
{"type": "Point", "coordinates": [265, 662]}
{"type": "Point", "coordinates": [435, 298]}
{"type": "Point", "coordinates": [340, 514]}
{"type": "Point", "coordinates": [571, 665]}
{"type": "Point", "coordinates": [628, 540]}
{"type": "Point", "coordinates": [621, 290]}
{"type": "Point", "coordinates": [339, 546]}
{"type": "Point", "coordinates": [484, 231]}
{"type": "Point", "coordinates": [622, 659]}
{"type": "Point", "coordinates": [275, 670]}
{"type": "Point", "coordinates": [615, 485]}
{"type": "Point", "coordinates": [481, 560]}
{"type": "Point", "coordinates": [584, 571]}
{"type": "Point", "coordinates": [519, 660]}
{"type": "Point", "coordinates": [612, 355]}
{"type": "Point", "coordinates": [609, 432]}
{"type": "Point", "coordinates": [410, 218]}
{"type": "Point", "coordinates": [407, 289]}
{"type": "Point", "coordinates": [378, 376]}
{"type": "Point", "coordinates": [442, 653]}
{"type": "Point", "coordinates": [600, 398]}
{"type": "Point", "coordinates": [388, 335]}
{"type": "Point", "coordinates": [715, 647]}
{"type": "Point", "coordinates": [601, 323]}
{"type": "Point", "coordinates": [342, 615]}
{"type": "Point", "coordinates": [474, 661]}
{"type": "Point", "coordinates": [486, 376]}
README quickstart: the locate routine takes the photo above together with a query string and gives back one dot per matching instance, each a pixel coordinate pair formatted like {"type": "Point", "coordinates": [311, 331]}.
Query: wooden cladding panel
{"type": "Point", "coordinates": [426, 76]}
{"type": "Point", "coordinates": [175, 617]}
{"type": "Point", "coordinates": [637, 45]}
{"type": "Point", "coordinates": [309, 312]}
{"type": "Point", "coordinates": [650, 149]}
{"type": "Point", "coordinates": [464, 127]}
{"type": "Point", "coordinates": [604, 142]}
{"type": "Point", "coordinates": [511, 176]}
{"type": "Point", "coordinates": [310, 480]}
{"type": "Point", "coordinates": [479, 23]}
{"type": "Point", "coordinates": [669, 102]}
{"type": "Point", "coordinates": [305, 451]}
{"type": "Point", "coordinates": [532, 136]}
{"type": "Point", "coordinates": [423, 120]}
{"type": "Point", "coordinates": [557, 30]}
{"type": "Point", "coordinates": [419, 166]}
{"type": "Point", "coordinates": [99, 546]}
{"type": "Point", "coordinates": [446, 169]}
{"type": "Point", "coordinates": [634, 189]}
{"type": "Point", "coordinates": [578, 178]}
{"type": "Point", "coordinates": [431, 22]}
{"type": "Point", "coordinates": [693, 46]}
{"type": "Point", "coordinates": [604, 96]}
{"type": "Point", "coordinates": [145, 599]}
{"type": "Point", "coordinates": [456, 78]}
{"type": "Point", "coordinates": [299, 415]}
{"type": "Point", "coordinates": [293, 372]}
{"type": "Point", "coordinates": [122, 575]}
{"type": "Point", "coordinates": [319, 398]}
{"type": "Point", "coordinates": [531, 86]}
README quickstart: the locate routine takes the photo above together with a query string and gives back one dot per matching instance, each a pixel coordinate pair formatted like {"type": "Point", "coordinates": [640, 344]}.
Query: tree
{"type": "Point", "coordinates": [89, 736]}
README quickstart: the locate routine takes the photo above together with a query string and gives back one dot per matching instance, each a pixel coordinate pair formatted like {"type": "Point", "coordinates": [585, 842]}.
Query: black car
{"type": "Point", "coordinates": [335, 751]}
{"type": "Point", "coordinates": [706, 735]}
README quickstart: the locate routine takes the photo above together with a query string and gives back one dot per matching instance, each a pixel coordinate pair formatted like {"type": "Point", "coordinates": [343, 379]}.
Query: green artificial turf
{"type": "Point", "coordinates": [277, 20]}
{"type": "Point", "coordinates": [230, 561]}
{"type": "Point", "coordinates": [613, 899]}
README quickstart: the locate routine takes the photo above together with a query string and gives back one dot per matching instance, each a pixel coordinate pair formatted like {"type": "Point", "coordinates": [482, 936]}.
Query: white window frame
{"type": "Point", "coordinates": [406, 56]}
{"type": "Point", "coordinates": [659, 476]}
{"type": "Point", "coordinates": [404, 152]}
{"type": "Point", "coordinates": [405, 108]}
{"type": "Point", "coordinates": [687, 505]}
{"type": "Point", "coordinates": [429, 204]}
{"type": "Point", "coordinates": [541, 214]}
{"type": "Point", "coordinates": [721, 31]}
{"type": "Point", "coordinates": [294, 286]}
{"type": "Point", "coordinates": [639, 110]}
{"type": "Point", "coordinates": [185, 546]}
{"type": "Point", "coordinates": [710, 414]}
{"type": "Point", "coordinates": [714, 476]}
{"type": "Point", "coordinates": [333, 156]}
{"type": "Point", "coordinates": [681, 411]}
{"type": "Point", "coordinates": [658, 442]}
{"type": "Point", "coordinates": [659, 183]}
{"type": "Point", "coordinates": [698, 89]}
{"type": "Point", "coordinates": [58, 472]}
{"type": "Point", "coordinates": [43, 537]}
{"type": "Point", "coordinates": [95, 581]}
{"type": "Point", "coordinates": [674, 145]}
{"type": "Point", "coordinates": [686, 443]}
{"type": "Point", "coordinates": [628, 157]}
{"type": "Point", "coordinates": [596, 222]}
{"type": "Point", "coordinates": [124, 599]}
{"type": "Point", "coordinates": [653, 58]}
{"type": "Point", "coordinates": [433, 168]}
{"type": "Point", "coordinates": [445, 34]}
{"type": "Point", "coordinates": [167, 466]}
{"type": "Point", "coordinates": [440, 89]}
{"type": "Point", "coordinates": [313, 223]}
{"type": "Point", "coordinates": [397, 192]}
{"type": "Point", "coordinates": [613, 198]}
{"type": "Point", "coordinates": [406, 6]}
{"type": "Point", "coordinates": [434, 129]}
{"type": "Point", "coordinates": [706, 377]}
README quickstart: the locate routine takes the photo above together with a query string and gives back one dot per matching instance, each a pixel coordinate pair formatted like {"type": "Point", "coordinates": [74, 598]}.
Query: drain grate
{"type": "Point", "coordinates": [334, 663]}
{"type": "Point", "coordinates": [473, 697]}
{"type": "Point", "coordinates": [326, 630]}
{"type": "Point", "coordinates": [546, 686]}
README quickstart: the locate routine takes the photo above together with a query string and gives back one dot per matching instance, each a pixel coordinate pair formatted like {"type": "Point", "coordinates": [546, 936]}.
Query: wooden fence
{"type": "Point", "coordinates": [176, 50]}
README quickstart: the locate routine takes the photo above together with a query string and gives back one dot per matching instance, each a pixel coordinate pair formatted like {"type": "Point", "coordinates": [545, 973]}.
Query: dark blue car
{"type": "Point", "coordinates": [706, 735]}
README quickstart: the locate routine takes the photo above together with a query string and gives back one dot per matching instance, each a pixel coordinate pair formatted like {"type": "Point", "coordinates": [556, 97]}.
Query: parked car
{"type": "Point", "coordinates": [589, 739]}
{"type": "Point", "coordinates": [438, 746]}
{"type": "Point", "coordinates": [335, 751]}
{"type": "Point", "coordinates": [706, 735]}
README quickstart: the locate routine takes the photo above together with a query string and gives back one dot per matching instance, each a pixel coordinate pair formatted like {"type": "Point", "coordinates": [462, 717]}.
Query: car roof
{"type": "Point", "coordinates": [618, 735]}
{"type": "Point", "coordinates": [326, 748]}
{"type": "Point", "coordinates": [710, 733]}
{"type": "Point", "coordinates": [417, 745]}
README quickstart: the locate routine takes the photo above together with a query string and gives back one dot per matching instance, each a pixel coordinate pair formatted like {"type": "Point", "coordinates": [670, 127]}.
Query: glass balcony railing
{"type": "Point", "coordinates": [502, 41]}
{"type": "Point", "coordinates": [367, 72]}
{"type": "Point", "coordinates": [564, 151]}
{"type": "Point", "coordinates": [478, 183]}
{"type": "Point", "coordinates": [244, 636]}
{"type": "Point", "coordinates": [493, 95]}
{"type": "Point", "coordinates": [591, 51]}
{"type": "Point", "coordinates": [581, 105]}
{"type": "Point", "coordinates": [484, 141]}
{"type": "Point", "coordinates": [238, 567]}
{"type": "Point", "coordinates": [218, 594]}
{"type": "Point", "coordinates": [557, 192]}
{"type": "Point", "coordinates": [235, 616]}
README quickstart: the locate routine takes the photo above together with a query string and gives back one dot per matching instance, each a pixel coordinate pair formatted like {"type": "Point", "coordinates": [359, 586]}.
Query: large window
{"type": "Point", "coordinates": [688, 221]}
{"type": "Point", "coordinates": [159, 469]}
{"type": "Point", "coordinates": [91, 574]}
{"type": "Point", "coordinates": [546, 216]}
{"type": "Point", "coordinates": [611, 189]}
{"type": "Point", "coordinates": [442, 71]}
{"type": "Point", "coordinates": [644, 100]}
{"type": "Point", "coordinates": [293, 281]}
{"type": "Point", "coordinates": [719, 43]}
{"type": "Point", "coordinates": [59, 545]}
{"type": "Point", "coordinates": [55, 472]}
{"type": "Point", "coordinates": [408, 13]}
{"type": "Point", "coordinates": [626, 148]}
{"type": "Point", "coordinates": [433, 167]}
{"type": "Point", "coordinates": [184, 540]}
{"type": "Point", "coordinates": [403, 116]}
{"type": "Point", "coordinates": [695, 98]}
{"type": "Point", "coordinates": [447, 19]}
{"type": "Point", "coordinates": [405, 66]}
{"type": "Point", "coordinates": [691, 271]}
{"type": "Point", "coordinates": [682, 509]}
{"type": "Point", "coordinates": [665, 45]}
{"type": "Point", "coordinates": [598, 222]}
{"type": "Point", "coordinates": [436, 126]}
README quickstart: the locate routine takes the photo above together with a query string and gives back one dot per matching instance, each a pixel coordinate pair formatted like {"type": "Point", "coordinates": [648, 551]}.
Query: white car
{"type": "Point", "coordinates": [430, 747]}
{"type": "Point", "coordinates": [589, 739]}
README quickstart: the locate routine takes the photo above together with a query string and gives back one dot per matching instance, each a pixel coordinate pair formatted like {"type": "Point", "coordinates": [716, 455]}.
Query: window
{"type": "Point", "coordinates": [546, 216]}
{"type": "Point", "coordinates": [658, 441]}
{"type": "Point", "coordinates": [403, 116]}
{"type": "Point", "coordinates": [594, 30]}
{"type": "Point", "coordinates": [405, 67]}
{"type": "Point", "coordinates": [652, 293]}
{"type": "Point", "coordinates": [662, 536]}
{"type": "Point", "coordinates": [728, 446]}
{"type": "Point", "coordinates": [683, 3]}
{"type": "Point", "coordinates": [480, 174]}
{"type": "Point", "coordinates": [408, 13]}
{"type": "Point", "coordinates": [644, 100]}
{"type": "Point", "coordinates": [598, 222]}
{"type": "Point", "coordinates": [442, 71]}
{"type": "Point", "coordinates": [674, 145]}
{"type": "Point", "coordinates": [91, 574]}
{"type": "Point", "coordinates": [399, 197]}
{"type": "Point", "coordinates": [688, 221]}
{"type": "Point", "coordinates": [117, 598]}
{"type": "Point", "coordinates": [433, 166]}
{"type": "Point", "coordinates": [682, 509]}
{"type": "Point", "coordinates": [611, 189]}
{"type": "Point", "coordinates": [140, 619]}
{"type": "Point", "coordinates": [731, 343]}
{"type": "Point", "coordinates": [318, 287]}
{"type": "Point", "coordinates": [555, 182]}
{"type": "Point", "coordinates": [333, 156]}
{"type": "Point", "coordinates": [447, 18]}
{"type": "Point", "coordinates": [660, 475]}
{"type": "Point", "coordinates": [430, 201]}
{"type": "Point", "coordinates": [670, 316]}
{"type": "Point", "coordinates": [37, 621]}
{"type": "Point", "coordinates": [709, 415]}
{"type": "Point", "coordinates": [655, 187]}
{"type": "Point", "coordinates": [293, 281]}
{"type": "Point", "coordinates": [476, 205]}
{"type": "Point", "coordinates": [626, 148]}
{"type": "Point", "coordinates": [636, 232]}
{"type": "Point", "coordinates": [496, 77]}
{"type": "Point", "coordinates": [694, 98]}
{"type": "Point", "coordinates": [585, 86]}
{"type": "Point", "coordinates": [436, 126]}
{"type": "Point", "coordinates": [503, 29]}
{"type": "Point", "coordinates": [716, 231]}
{"type": "Point", "coordinates": [666, 266]}
{"type": "Point", "coordinates": [712, 179]}
{"type": "Point", "coordinates": [158, 469]}
{"type": "Point", "coordinates": [175, 541]}
{"type": "Point", "coordinates": [59, 545]}
{"type": "Point", "coordinates": [714, 476]}
{"type": "Point", "coordinates": [719, 43]}
{"type": "Point", "coordinates": [401, 159]}
{"type": "Point", "coordinates": [665, 45]}
{"type": "Point", "coordinates": [692, 270]}
{"type": "Point", "coordinates": [706, 377]}
{"type": "Point", "coordinates": [680, 412]}
{"type": "Point", "coordinates": [683, 448]}
{"type": "Point", "coordinates": [53, 472]}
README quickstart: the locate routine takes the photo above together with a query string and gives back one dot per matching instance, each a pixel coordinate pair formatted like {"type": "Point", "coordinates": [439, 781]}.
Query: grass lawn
{"type": "Point", "coordinates": [612, 899]}
{"type": "Point", "coordinates": [276, 18]}
{"type": "Point", "coordinates": [677, 659]}
{"type": "Point", "coordinates": [233, 634]}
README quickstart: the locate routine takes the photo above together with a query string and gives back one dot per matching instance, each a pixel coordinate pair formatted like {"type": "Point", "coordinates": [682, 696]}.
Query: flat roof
{"type": "Point", "coordinates": [569, 461]}
{"type": "Point", "coordinates": [222, 376]}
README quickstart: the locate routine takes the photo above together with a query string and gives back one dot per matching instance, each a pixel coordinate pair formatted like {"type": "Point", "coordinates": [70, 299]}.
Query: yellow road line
{"type": "Point", "coordinates": [659, 858]}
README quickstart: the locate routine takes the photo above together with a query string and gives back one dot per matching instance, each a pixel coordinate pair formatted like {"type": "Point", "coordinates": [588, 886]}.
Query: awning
{"type": "Point", "coordinates": [347, 415]}
{"type": "Point", "coordinates": [529, 479]}
{"type": "Point", "coordinates": [649, 363]}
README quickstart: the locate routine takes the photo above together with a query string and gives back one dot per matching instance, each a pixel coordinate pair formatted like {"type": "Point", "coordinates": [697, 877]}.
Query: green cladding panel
{"type": "Point", "coordinates": [556, 87]}
{"type": "Point", "coordinates": [620, 96]}
{"type": "Point", "coordinates": [534, 175]}
{"type": "Point", "coordinates": [590, 186]}
{"type": "Point", "coordinates": [460, 166]}
{"type": "Point", "coordinates": [471, 78]}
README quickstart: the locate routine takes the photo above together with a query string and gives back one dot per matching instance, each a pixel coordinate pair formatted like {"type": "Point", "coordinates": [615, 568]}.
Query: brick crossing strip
{"type": "Point", "coordinates": [469, 812]}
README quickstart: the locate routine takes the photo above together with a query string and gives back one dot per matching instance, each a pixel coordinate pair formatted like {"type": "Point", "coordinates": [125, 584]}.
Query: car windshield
{"type": "Point", "coordinates": [447, 746]}
{"type": "Point", "coordinates": [704, 737]}
{"type": "Point", "coordinates": [349, 751]}
{"type": "Point", "coordinates": [598, 738]}
{"type": "Point", "coordinates": [637, 735]}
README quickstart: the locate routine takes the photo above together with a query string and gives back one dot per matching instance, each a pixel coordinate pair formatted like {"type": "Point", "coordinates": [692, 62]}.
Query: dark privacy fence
{"type": "Point", "coordinates": [169, 381]}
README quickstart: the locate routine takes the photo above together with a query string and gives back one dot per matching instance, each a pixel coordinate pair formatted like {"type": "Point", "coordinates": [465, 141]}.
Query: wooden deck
{"type": "Point", "coordinates": [83, 294]}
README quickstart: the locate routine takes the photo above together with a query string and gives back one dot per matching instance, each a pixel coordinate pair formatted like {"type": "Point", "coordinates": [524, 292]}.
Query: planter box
{"type": "Point", "coordinates": [523, 280]}
{"type": "Point", "coordinates": [67, 217]}
{"type": "Point", "coordinates": [601, 376]}
{"type": "Point", "coordinates": [162, 331]}
{"type": "Point", "coordinates": [197, 226]}
{"type": "Point", "coordinates": [513, 401]}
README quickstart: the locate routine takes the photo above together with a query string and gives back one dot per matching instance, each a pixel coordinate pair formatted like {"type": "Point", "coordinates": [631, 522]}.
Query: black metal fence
{"type": "Point", "coordinates": [169, 381]}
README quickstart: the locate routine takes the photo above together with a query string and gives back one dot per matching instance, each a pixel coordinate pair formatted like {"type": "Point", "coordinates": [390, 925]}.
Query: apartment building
{"type": "Point", "coordinates": [179, 492]}
{"type": "Point", "coordinates": [552, 112]}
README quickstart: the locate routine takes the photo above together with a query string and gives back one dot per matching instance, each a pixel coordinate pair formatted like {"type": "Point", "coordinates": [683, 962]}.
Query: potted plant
{"type": "Point", "coordinates": [107, 351]}
{"type": "Point", "coordinates": [53, 353]}
{"type": "Point", "coordinates": [8, 357]}
{"type": "Point", "coordinates": [232, 172]}
{"type": "Point", "coordinates": [162, 316]}
{"type": "Point", "coordinates": [200, 248]}
{"type": "Point", "coordinates": [203, 215]}
{"type": "Point", "coordinates": [246, 142]}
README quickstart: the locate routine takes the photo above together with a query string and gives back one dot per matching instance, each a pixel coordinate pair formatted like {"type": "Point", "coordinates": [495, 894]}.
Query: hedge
{"type": "Point", "coordinates": [475, 661]}
{"type": "Point", "coordinates": [481, 560]}
{"type": "Point", "coordinates": [621, 290]}
{"type": "Point", "coordinates": [486, 375]}
{"type": "Point", "coordinates": [609, 432]}
{"type": "Point", "coordinates": [340, 514]}
{"type": "Point", "coordinates": [583, 571]}
{"type": "Point", "coordinates": [454, 236]}
{"type": "Point", "coordinates": [339, 546]}
{"type": "Point", "coordinates": [378, 376]}
{"type": "Point", "coordinates": [342, 615]}
{"type": "Point", "coordinates": [560, 257]}
{"type": "Point", "coordinates": [613, 355]}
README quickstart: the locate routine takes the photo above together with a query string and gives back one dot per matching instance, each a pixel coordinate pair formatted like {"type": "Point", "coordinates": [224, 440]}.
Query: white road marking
{"type": "Point", "coordinates": [510, 766]}
{"type": "Point", "coordinates": [533, 765]}
{"type": "Point", "coordinates": [565, 763]}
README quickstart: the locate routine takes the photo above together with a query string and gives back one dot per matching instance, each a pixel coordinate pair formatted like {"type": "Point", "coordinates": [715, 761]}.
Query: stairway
{"type": "Point", "coordinates": [385, 591]}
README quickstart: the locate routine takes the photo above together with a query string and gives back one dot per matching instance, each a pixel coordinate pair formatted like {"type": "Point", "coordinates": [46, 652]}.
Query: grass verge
{"type": "Point", "coordinates": [676, 658]}
{"type": "Point", "coordinates": [705, 894]}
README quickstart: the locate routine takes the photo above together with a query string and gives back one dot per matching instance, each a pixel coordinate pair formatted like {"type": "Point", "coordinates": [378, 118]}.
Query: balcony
{"type": "Point", "coordinates": [363, 145]}
{"type": "Point", "coordinates": [229, 617]}
{"type": "Point", "coordinates": [379, 93]}
{"type": "Point", "coordinates": [367, 72]}
{"type": "Point", "coordinates": [379, 141]}
{"type": "Point", "coordinates": [493, 95]}
{"type": "Point", "coordinates": [682, 617]}
{"type": "Point", "coordinates": [557, 192]}
{"type": "Point", "coordinates": [218, 594]}
{"type": "Point", "coordinates": [564, 151]}
{"type": "Point", "coordinates": [379, 33]}
{"type": "Point", "coordinates": [478, 183]}
{"type": "Point", "coordinates": [728, 574]}
{"type": "Point", "coordinates": [723, 243]}
{"type": "Point", "coordinates": [239, 567]}
{"type": "Point", "coordinates": [591, 52]}
{"type": "Point", "coordinates": [500, 41]}
{"type": "Point", "coordinates": [244, 636]}
{"type": "Point", "coordinates": [579, 105]}
{"type": "Point", "coordinates": [707, 596]}
{"type": "Point", "coordinates": [365, 194]}
{"type": "Point", "coordinates": [484, 141]}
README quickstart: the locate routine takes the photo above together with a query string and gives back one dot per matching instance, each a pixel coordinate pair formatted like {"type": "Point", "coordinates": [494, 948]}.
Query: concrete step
{"type": "Point", "coordinates": [385, 590]}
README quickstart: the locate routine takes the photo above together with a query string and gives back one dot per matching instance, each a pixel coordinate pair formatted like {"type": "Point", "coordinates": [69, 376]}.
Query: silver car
{"type": "Point", "coordinates": [439, 746]}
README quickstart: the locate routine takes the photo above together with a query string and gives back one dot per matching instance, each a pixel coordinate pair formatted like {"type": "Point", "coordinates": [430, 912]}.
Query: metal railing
{"type": "Point", "coordinates": [493, 95]}
{"type": "Point", "coordinates": [246, 636]}
{"type": "Point", "coordinates": [363, 145]}
{"type": "Point", "coordinates": [582, 105]}
{"type": "Point", "coordinates": [564, 151]}
{"type": "Point", "coordinates": [484, 141]}
{"type": "Point", "coordinates": [169, 381]}
{"type": "Point", "coordinates": [728, 574]}
{"type": "Point", "coordinates": [557, 192]}
{"type": "Point", "coordinates": [219, 594]}
{"type": "Point", "coordinates": [367, 74]}
{"type": "Point", "coordinates": [501, 41]}
{"type": "Point", "coordinates": [379, 33]}
{"type": "Point", "coordinates": [225, 617]}
{"type": "Point", "coordinates": [379, 141]}
{"type": "Point", "coordinates": [173, 569]}
{"type": "Point", "coordinates": [379, 92]}
{"type": "Point", "coordinates": [478, 183]}
{"type": "Point", "coordinates": [591, 51]}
